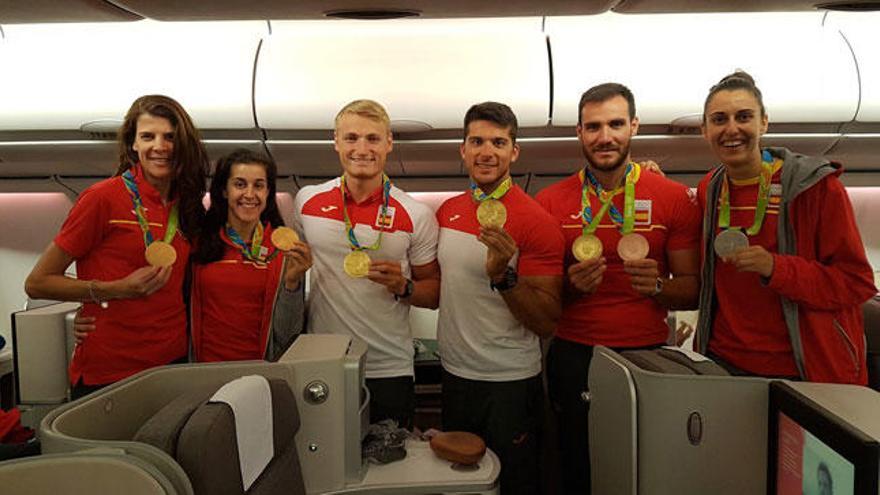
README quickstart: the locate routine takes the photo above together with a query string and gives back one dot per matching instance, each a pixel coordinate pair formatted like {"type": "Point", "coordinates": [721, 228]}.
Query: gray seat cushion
{"type": "Point", "coordinates": [208, 452]}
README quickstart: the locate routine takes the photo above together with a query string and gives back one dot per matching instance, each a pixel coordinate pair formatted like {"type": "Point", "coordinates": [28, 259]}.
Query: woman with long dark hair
{"type": "Point", "coordinates": [130, 236]}
{"type": "Point", "coordinates": [247, 293]}
{"type": "Point", "coordinates": [784, 269]}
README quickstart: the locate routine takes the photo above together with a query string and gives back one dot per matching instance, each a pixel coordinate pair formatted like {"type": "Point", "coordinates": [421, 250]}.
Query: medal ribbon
{"type": "Point", "coordinates": [763, 197]}
{"type": "Point", "coordinates": [256, 242]}
{"type": "Point", "coordinates": [499, 192]}
{"type": "Point", "coordinates": [349, 228]}
{"type": "Point", "coordinates": [141, 214]}
{"type": "Point", "coordinates": [627, 220]}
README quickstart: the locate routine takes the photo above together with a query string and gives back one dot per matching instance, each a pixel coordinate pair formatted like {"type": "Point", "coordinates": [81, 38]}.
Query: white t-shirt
{"type": "Point", "coordinates": [479, 337]}
{"type": "Point", "coordinates": [356, 306]}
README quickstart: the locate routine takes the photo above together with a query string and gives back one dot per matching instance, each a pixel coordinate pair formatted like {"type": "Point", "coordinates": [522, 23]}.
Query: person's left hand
{"type": "Point", "coordinates": [643, 275]}
{"type": "Point", "coordinates": [753, 259]}
{"type": "Point", "coordinates": [389, 274]}
{"type": "Point", "coordinates": [83, 326]}
{"type": "Point", "coordinates": [501, 246]}
{"type": "Point", "coordinates": [299, 260]}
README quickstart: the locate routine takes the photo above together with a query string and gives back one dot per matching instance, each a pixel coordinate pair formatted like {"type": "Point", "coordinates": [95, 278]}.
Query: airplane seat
{"type": "Point", "coordinates": [83, 473]}
{"type": "Point", "coordinates": [204, 436]}
{"type": "Point", "coordinates": [663, 422]}
{"type": "Point", "coordinates": [871, 312]}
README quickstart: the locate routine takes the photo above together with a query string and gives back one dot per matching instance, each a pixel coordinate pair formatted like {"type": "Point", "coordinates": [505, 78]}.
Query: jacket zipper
{"type": "Point", "coordinates": [849, 344]}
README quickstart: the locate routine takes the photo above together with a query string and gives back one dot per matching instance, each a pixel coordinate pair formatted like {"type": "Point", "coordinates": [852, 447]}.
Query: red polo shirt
{"type": "Point", "coordinates": [103, 235]}
{"type": "Point", "coordinates": [667, 214]}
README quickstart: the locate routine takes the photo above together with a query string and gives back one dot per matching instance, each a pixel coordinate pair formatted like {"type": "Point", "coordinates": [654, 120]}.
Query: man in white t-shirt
{"type": "Point", "coordinates": [500, 292]}
{"type": "Point", "coordinates": [362, 214]}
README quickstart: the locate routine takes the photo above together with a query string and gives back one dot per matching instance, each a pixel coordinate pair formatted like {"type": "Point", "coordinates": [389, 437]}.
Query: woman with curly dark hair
{"type": "Point", "coordinates": [247, 293]}
{"type": "Point", "coordinates": [130, 236]}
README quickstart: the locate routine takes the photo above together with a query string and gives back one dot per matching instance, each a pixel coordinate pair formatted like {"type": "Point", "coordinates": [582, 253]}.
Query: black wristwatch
{"type": "Point", "coordinates": [408, 289]}
{"type": "Point", "coordinates": [507, 283]}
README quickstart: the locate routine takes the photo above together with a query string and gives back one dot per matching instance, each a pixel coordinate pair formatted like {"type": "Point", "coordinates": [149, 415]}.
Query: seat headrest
{"type": "Point", "coordinates": [201, 437]}
{"type": "Point", "coordinates": [163, 428]}
{"type": "Point", "coordinates": [250, 399]}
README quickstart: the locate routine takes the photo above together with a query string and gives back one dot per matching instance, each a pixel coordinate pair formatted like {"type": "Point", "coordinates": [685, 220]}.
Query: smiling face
{"type": "Point", "coordinates": [487, 151]}
{"type": "Point", "coordinates": [154, 145]}
{"type": "Point", "coordinates": [605, 133]}
{"type": "Point", "coordinates": [363, 145]}
{"type": "Point", "coordinates": [246, 192]}
{"type": "Point", "coordinates": [733, 126]}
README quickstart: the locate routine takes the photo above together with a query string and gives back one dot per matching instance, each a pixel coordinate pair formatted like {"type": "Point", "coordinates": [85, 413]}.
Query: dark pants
{"type": "Point", "coordinates": [568, 367]}
{"type": "Point", "coordinates": [81, 390]}
{"type": "Point", "coordinates": [507, 415]}
{"type": "Point", "coordinates": [734, 371]}
{"type": "Point", "coordinates": [392, 398]}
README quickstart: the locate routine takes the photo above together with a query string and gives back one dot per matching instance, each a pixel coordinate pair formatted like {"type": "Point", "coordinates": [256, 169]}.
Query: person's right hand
{"type": "Point", "coordinates": [83, 326]}
{"type": "Point", "coordinates": [586, 276]}
{"type": "Point", "coordinates": [141, 282]}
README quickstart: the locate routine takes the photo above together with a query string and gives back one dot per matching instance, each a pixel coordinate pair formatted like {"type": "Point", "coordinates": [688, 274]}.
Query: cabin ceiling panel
{"type": "Point", "coordinates": [425, 73]}
{"type": "Point", "coordinates": [38, 11]}
{"type": "Point", "coordinates": [857, 152]}
{"type": "Point", "coordinates": [84, 158]}
{"type": "Point", "coordinates": [70, 76]}
{"type": "Point", "coordinates": [316, 159]}
{"type": "Point", "coordinates": [807, 73]}
{"type": "Point", "coordinates": [674, 153]}
{"type": "Point", "coordinates": [34, 11]}
{"type": "Point", "coordinates": [193, 10]}
{"type": "Point", "coordinates": [62, 158]}
{"type": "Point", "coordinates": [432, 184]}
{"type": "Point", "coordinates": [665, 6]}
{"type": "Point", "coordinates": [431, 157]}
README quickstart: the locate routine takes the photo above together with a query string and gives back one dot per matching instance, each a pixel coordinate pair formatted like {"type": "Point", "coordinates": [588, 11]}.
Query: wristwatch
{"type": "Point", "coordinates": [658, 287]}
{"type": "Point", "coordinates": [507, 283]}
{"type": "Point", "coordinates": [408, 289]}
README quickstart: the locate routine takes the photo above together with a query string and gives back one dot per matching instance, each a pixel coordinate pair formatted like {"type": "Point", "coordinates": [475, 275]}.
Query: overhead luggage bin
{"type": "Point", "coordinates": [806, 72]}
{"type": "Point", "coordinates": [24, 11]}
{"type": "Point", "coordinates": [307, 70]}
{"type": "Point", "coordinates": [425, 72]}
{"type": "Point", "coordinates": [322, 9]}
{"type": "Point", "coordinates": [207, 67]}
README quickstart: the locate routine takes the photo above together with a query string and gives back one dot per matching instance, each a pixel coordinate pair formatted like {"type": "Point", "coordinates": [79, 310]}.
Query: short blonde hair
{"type": "Point", "coordinates": [368, 109]}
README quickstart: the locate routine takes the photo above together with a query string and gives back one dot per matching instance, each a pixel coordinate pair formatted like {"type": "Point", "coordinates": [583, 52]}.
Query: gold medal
{"type": "Point", "coordinates": [586, 247]}
{"type": "Point", "coordinates": [491, 213]}
{"type": "Point", "coordinates": [284, 238]}
{"type": "Point", "coordinates": [356, 264]}
{"type": "Point", "coordinates": [160, 253]}
{"type": "Point", "coordinates": [632, 247]}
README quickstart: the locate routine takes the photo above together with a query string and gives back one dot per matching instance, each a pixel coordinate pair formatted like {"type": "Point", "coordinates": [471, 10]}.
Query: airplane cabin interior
{"type": "Point", "coordinates": [270, 75]}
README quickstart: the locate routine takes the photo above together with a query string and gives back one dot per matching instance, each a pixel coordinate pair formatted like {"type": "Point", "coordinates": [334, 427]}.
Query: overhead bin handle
{"type": "Point", "coordinates": [101, 125]}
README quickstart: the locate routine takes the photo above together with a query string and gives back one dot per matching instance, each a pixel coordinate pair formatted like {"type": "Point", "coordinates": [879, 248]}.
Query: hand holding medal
{"type": "Point", "coordinates": [732, 240]}
{"type": "Point", "coordinates": [298, 254]}
{"type": "Point", "coordinates": [753, 259]}
{"type": "Point", "coordinates": [492, 215]}
{"type": "Point", "coordinates": [356, 264]}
